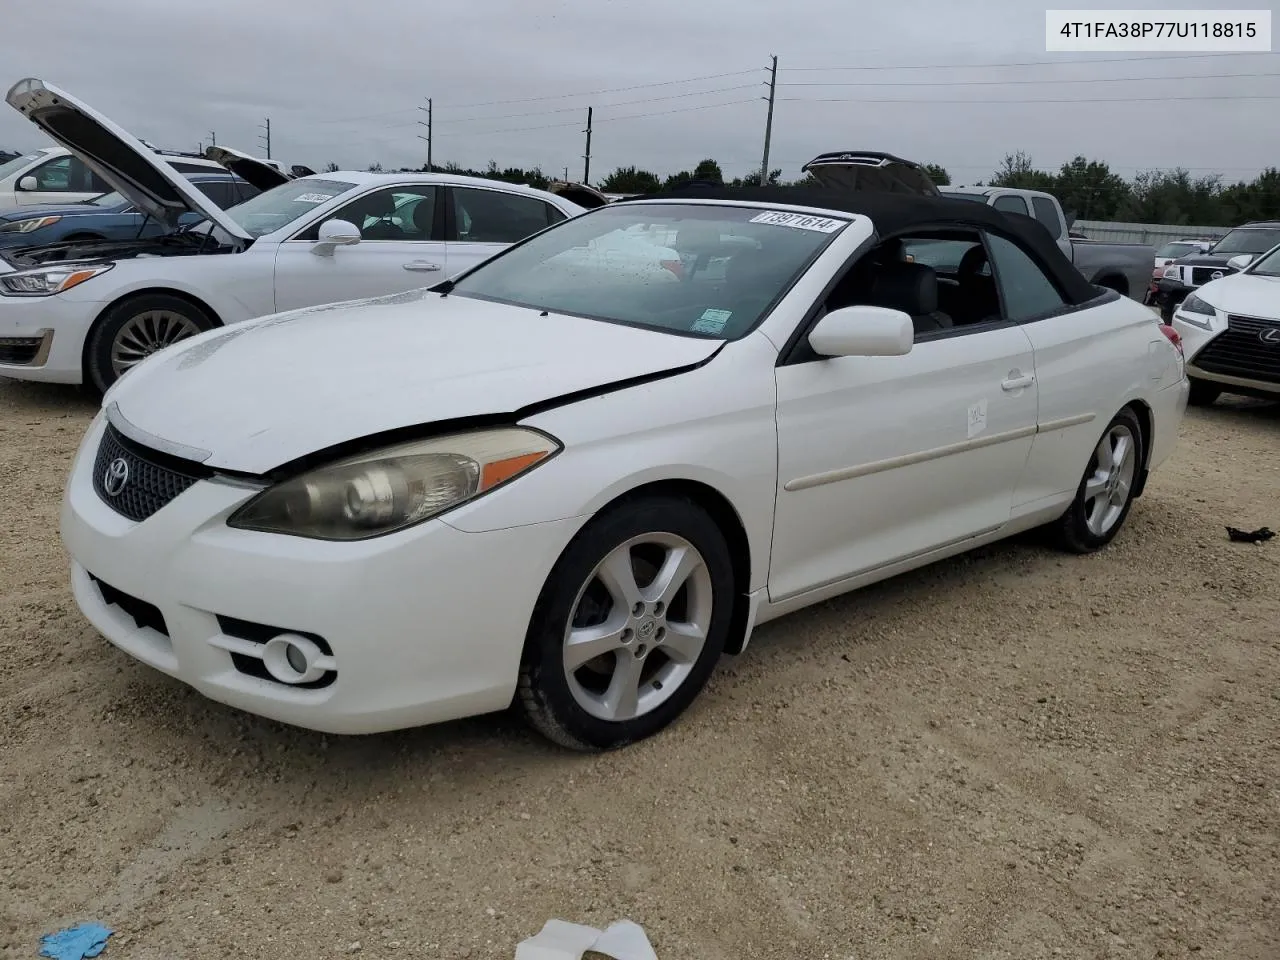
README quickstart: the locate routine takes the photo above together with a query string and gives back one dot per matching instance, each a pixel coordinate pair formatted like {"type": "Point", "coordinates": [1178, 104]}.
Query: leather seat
{"type": "Point", "coordinates": [913, 289]}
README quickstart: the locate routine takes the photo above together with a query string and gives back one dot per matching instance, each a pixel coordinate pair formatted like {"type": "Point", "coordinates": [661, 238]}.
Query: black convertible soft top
{"type": "Point", "coordinates": [896, 213]}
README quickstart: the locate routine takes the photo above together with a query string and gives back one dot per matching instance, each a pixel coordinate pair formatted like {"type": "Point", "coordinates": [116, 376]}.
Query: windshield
{"type": "Point", "coordinates": [280, 206]}
{"type": "Point", "coordinates": [1171, 251]}
{"type": "Point", "coordinates": [1268, 266]}
{"type": "Point", "coordinates": [975, 197]}
{"type": "Point", "coordinates": [704, 270]}
{"type": "Point", "coordinates": [1247, 240]}
{"type": "Point", "coordinates": [16, 164]}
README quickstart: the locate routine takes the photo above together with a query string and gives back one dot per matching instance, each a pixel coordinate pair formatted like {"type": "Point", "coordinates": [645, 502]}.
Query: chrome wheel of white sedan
{"type": "Point", "coordinates": [1107, 490]}
{"type": "Point", "coordinates": [629, 625]}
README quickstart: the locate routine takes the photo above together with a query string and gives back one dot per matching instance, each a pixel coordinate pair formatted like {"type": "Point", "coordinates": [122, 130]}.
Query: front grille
{"type": "Point", "coordinates": [144, 614]}
{"type": "Point", "coordinates": [1241, 352]}
{"type": "Point", "coordinates": [1202, 275]}
{"type": "Point", "coordinates": [136, 482]}
{"type": "Point", "coordinates": [19, 350]}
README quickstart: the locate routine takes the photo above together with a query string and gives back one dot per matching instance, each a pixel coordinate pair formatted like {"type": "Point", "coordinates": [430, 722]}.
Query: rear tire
{"type": "Point", "coordinates": [629, 625]}
{"type": "Point", "coordinates": [1203, 393]}
{"type": "Point", "coordinates": [135, 328]}
{"type": "Point", "coordinates": [1105, 494]}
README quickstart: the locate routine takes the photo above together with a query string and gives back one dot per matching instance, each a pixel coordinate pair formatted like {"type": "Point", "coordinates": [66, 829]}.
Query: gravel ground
{"type": "Point", "coordinates": [1013, 754]}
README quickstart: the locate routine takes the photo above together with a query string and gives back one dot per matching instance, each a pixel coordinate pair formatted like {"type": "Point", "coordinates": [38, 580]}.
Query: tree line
{"type": "Point", "coordinates": [1087, 189]}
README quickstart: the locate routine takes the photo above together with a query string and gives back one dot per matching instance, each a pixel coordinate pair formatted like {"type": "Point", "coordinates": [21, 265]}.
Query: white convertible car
{"type": "Point", "coordinates": [88, 311]}
{"type": "Point", "coordinates": [1231, 331]}
{"type": "Point", "coordinates": [556, 481]}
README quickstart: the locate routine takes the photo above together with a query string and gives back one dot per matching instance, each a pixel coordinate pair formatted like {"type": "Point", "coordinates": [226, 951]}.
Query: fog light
{"type": "Point", "coordinates": [294, 659]}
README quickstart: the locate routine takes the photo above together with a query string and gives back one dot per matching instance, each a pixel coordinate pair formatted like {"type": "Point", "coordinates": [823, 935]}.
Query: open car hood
{"type": "Point", "coordinates": [579, 193]}
{"type": "Point", "coordinates": [118, 157]}
{"type": "Point", "coordinates": [862, 170]}
{"type": "Point", "coordinates": [250, 169]}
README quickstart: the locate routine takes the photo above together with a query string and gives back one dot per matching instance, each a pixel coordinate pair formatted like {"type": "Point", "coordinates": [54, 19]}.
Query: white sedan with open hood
{"type": "Point", "coordinates": [89, 311]}
{"type": "Point", "coordinates": [574, 485]}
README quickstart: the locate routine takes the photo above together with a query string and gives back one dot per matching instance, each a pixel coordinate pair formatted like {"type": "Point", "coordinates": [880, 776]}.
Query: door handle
{"type": "Point", "coordinates": [1017, 383]}
{"type": "Point", "coordinates": [422, 266]}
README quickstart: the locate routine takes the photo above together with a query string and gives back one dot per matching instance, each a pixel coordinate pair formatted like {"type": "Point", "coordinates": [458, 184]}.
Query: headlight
{"type": "Point", "coordinates": [390, 489]}
{"type": "Point", "coordinates": [50, 280]}
{"type": "Point", "coordinates": [28, 226]}
{"type": "Point", "coordinates": [1197, 311]}
{"type": "Point", "coordinates": [1172, 273]}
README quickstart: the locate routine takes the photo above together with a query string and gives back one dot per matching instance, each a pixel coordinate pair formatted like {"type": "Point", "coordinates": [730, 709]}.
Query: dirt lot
{"type": "Point", "coordinates": [1016, 754]}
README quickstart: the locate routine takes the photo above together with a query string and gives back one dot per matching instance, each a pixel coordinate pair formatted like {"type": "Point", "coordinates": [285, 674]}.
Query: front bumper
{"type": "Point", "coordinates": [423, 626]}
{"type": "Point", "coordinates": [1236, 369]}
{"type": "Point", "coordinates": [58, 325]}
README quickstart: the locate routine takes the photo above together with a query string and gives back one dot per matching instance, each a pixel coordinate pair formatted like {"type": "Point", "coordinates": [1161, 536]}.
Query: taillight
{"type": "Point", "coordinates": [675, 266]}
{"type": "Point", "coordinates": [1174, 337]}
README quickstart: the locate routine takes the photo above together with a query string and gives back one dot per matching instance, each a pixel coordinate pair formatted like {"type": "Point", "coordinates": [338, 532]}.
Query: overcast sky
{"type": "Point", "coordinates": [342, 82]}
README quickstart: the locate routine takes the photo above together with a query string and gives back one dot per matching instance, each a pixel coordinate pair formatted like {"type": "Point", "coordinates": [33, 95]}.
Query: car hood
{"type": "Point", "coordinates": [248, 168]}
{"type": "Point", "coordinates": [583, 195]}
{"type": "Point", "coordinates": [260, 394]}
{"type": "Point", "coordinates": [1203, 260]}
{"type": "Point", "coordinates": [135, 170]}
{"type": "Point", "coordinates": [860, 170]}
{"type": "Point", "coordinates": [1244, 293]}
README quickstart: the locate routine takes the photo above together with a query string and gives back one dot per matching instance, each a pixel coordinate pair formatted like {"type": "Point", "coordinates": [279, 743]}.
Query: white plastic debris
{"type": "Point", "coordinates": [560, 940]}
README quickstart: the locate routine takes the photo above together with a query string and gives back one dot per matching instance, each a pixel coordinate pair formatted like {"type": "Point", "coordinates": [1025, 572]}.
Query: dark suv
{"type": "Point", "coordinates": [1187, 273]}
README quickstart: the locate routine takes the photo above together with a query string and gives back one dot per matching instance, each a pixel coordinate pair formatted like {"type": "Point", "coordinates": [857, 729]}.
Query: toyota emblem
{"type": "Point", "coordinates": [115, 477]}
{"type": "Point", "coordinates": [1270, 335]}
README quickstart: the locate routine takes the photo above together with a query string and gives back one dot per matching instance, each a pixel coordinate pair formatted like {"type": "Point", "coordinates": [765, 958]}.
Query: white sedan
{"type": "Point", "coordinates": [89, 311]}
{"type": "Point", "coordinates": [1231, 331]}
{"type": "Point", "coordinates": [558, 481]}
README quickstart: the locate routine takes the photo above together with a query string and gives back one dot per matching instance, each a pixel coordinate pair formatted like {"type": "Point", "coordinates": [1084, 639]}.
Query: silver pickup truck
{"type": "Point", "coordinates": [1123, 267]}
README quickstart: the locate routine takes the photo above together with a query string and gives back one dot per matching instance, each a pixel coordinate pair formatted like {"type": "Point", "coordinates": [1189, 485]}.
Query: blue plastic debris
{"type": "Point", "coordinates": [75, 943]}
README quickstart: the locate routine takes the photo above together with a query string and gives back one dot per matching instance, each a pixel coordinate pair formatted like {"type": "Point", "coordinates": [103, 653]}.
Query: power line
{"type": "Point", "coordinates": [1031, 100]}
{"type": "Point", "coordinates": [1004, 83]}
{"type": "Point", "coordinates": [620, 103]}
{"type": "Point", "coordinates": [629, 116]}
{"type": "Point", "coordinates": [559, 96]}
{"type": "Point", "coordinates": [1026, 63]}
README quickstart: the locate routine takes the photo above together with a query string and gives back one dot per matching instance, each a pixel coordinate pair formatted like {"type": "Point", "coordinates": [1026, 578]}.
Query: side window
{"type": "Point", "coordinates": [492, 216]}
{"type": "Point", "coordinates": [1010, 203]}
{"type": "Point", "coordinates": [54, 176]}
{"type": "Point", "coordinates": [942, 280]}
{"type": "Point", "coordinates": [68, 175]}
{"type": "Point", "coordinates": [1047, 214]}
{"type": "Point", "coordinates": [1026, 291]}
{"type": "Point", "coordinates": [394, 213]}
{"type": "Point", "coordinates": [553, 214]}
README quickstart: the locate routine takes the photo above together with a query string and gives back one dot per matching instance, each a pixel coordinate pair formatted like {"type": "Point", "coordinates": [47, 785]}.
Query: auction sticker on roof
{"type": "Point", "coordinates": [312, 197]}
{"type": "Point", "coordinates": [801, 221]}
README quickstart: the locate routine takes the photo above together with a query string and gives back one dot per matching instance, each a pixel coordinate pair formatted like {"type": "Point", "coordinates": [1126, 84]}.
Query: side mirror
{"type": "Point", "coordinates": [863, 331]}
{"type": "Point", "coordinates": [28, 183]}
{"type": "Point", "coordinates": [1240, 261]}
{"type": "Point", "coordinates": [334, 234]}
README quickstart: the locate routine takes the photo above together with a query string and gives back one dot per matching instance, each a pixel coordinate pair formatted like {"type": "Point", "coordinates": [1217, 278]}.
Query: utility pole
{"type": "Point", "coordinates": [427, 123]}
{"type": "Point", "coordinates": [566, 174]}
{"type": "Point", "coordinates": [768, 123]}
{"type": "Point", "coordinates": [213, 139]}
{"type": "Point", "coordinates": [265, 139]}
{"type": "Point", "coordinates": [586, 166]}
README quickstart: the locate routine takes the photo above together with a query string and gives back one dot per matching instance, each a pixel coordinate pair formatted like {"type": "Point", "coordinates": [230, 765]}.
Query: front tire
{"type": "Point", "coordinates": [629, 625]}
{"type": "Point", "coordinates": [1203, 393]}
{"type": "Point", "coordinates": [134, 329]}
{"type": "Point", "coordinates": [1105, 494]}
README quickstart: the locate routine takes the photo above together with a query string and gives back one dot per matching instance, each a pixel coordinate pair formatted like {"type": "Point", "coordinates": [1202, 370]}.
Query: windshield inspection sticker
{"type": "Point", "coordinates": [711, 321]}
{"type": "Point", "coordinates": [799, 221]}
{"type": "Point", "coordinates": [312, 197]}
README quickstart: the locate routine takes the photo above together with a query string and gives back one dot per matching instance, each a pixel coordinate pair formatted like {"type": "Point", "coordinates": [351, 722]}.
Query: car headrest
{"type": "Point", "coordinates": [423, 216]}
{"type": "Point", "coordinates": [909, 287]}
{"type": "Point", "coordinates": [973, 260]}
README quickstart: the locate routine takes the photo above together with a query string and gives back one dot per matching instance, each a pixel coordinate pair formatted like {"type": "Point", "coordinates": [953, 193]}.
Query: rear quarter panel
{"type": "Point", "coordinates": [1089, 364]}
